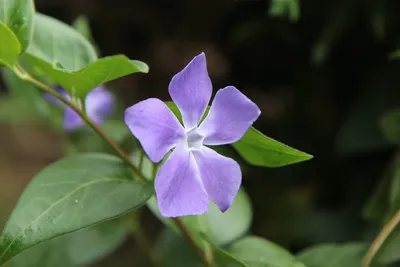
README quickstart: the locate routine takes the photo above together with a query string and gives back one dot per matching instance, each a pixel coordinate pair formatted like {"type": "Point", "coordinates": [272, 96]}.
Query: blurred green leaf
{"type": "Point", "coordinates": [71, 194]}
{"type": "Point", "coordinates": [75, 249]}
{"type": "Point", "coordinates": [18, 16]}
{"type": "Point", "coordinates": [174, 251]}
{"type": "Point", "coordinates": [81, 24]}
{"type": "Point", "coordinates": [258, 252]}
{"type": "Point", "coordinates": [81, 82]}
{"type": "Point", "coordinates": [24, 103]}
{"type": "Point", "coordinates": [10, 47]}
{"type": "Point", "coordinates": [59, 45]}
{"type": "Point", "coordinates": [389, 251]}
{"type": "Point", "coordinates": [223, 228]}
{"type": "Point", "coordinates": [390, 125]}
{"type": "Point", "coordinates": [333, 255]}
{"type": "Point", "coordinates": [361, 132]}
{"type": "Point", "coordinates": [260, 150]}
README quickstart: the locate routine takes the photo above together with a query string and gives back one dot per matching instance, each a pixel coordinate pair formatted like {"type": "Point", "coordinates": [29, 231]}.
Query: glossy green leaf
{"type": "Point", "coordinates": [10, 47]}
{"type": "Point", "coordinates": [59, 45]}
{"type": "Point", "coordinates": [258, 252]}
{"type": "Point", "coordinates": [99, 72]}
{"type": "Point", "coordinates": [333, 255]}
{"type": "Point", "coordinates": [71, 194]}
{"type": "Point", "coordinates": [18, 16]}
{"type": "Point", "coordinates": [260, 150]}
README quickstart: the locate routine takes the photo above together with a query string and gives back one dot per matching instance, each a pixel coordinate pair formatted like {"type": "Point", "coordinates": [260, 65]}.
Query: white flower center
{"type": "Point", "coordinates": [194, 139]}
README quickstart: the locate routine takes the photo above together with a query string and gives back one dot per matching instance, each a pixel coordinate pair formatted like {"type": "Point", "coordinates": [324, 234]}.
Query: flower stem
{"type": "Point", "coordinates": [25, 76]}
{"type": "Point", "coordinates": [380, 239]}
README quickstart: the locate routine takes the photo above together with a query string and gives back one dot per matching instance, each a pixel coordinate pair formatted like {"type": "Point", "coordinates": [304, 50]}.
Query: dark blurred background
{"type": "Point", "coordinates": [319, 70]}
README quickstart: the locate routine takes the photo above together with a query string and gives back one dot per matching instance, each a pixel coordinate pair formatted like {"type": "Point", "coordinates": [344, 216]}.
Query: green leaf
{"type": "Point", "coordinates": [260, 150]}
{"type": "Point", "coordinates": [258, 252]}
{"type": "Point", "coordinates": [10, 47]}
{"type": "Point", "coordinates": [81, 82]}
{"type": "Point", "coordinates": [390, 125]}
{"type": "Point", "coordinates": [25, 103]}
{"type": "Point", "coordinates": [89, 245]}
{"type": "Point", "coordinates": [389, 251]}
{"type": "Point", "coordinates": [75, 249]}
{"type": "Point", "coordinates": [81, 24]}
{"type": "Point", "coordinates": [59, 45]}
{"type": "Point", "coordinates": [18, 16]}
{"type": "Point", "coordinates": [71, 194]}
{"type": "Point", "coordinates": [223, 228]}
{"type": "Point", "coordinates": [175, 251]}
{"type": "Point", "coordinates": [333, 255]}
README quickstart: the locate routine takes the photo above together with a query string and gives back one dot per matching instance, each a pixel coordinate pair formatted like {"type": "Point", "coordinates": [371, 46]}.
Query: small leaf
{"type": "Point", "coordinates": [10, 47]}
{"type": "Point", "coordinates": [260, 150]}
{"type": "Point", "coordinates": [333, 255]}
{"type": "Point", "coordinates": [18, 16]}
{"type": "Point", "coordinates": [82, 81]}
{"type": "Point", "coordinates": [81, 24]}
{"type": "Point", "coordinates": [258, 252]}
{"type": "Point", "coordinates": [58, 44]}
{"type": "Point", "coordinates": [71, 194]}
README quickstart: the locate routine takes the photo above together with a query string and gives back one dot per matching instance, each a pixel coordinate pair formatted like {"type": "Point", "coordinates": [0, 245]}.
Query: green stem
{"type": "Point", "coordinates": [25, 76]}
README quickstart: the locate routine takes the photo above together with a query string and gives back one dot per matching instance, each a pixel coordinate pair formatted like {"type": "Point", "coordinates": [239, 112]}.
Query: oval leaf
{"type": "Point", "coordinates": [71, 194]}
{"type": "Point", "coordinates": [333, 255]}
{"type": "Point", "coordinates": [260, 150]}
{"type": "Point", "coordinates": [59, 45]}
{"type": "Point", "coordinates": [10, 47]}
{"type": "Point", "coordinates": [18, 16]}
{"type": "Point", "coordinates": [258, 252]}
{"type": "Point", "coordinates": [82, 81]}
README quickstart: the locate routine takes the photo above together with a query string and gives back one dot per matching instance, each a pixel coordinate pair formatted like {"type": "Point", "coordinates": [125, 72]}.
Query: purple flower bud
{"type": "Point", "coordinates": [99, 104]}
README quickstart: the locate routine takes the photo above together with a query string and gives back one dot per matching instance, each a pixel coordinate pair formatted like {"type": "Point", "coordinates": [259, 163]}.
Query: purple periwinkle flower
{"type": "Point", "coordinates": [193, 174]}
{"type": "Point", "coordinates": [99, 104]}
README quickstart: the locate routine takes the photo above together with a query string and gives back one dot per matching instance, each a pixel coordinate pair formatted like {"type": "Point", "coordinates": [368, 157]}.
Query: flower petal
{"type": "Point", "coordinates": [156, 127]}
{"type": "Point", "coordinates": [179, 189]}
{"type": "Point", "coordinates": [231, 114]}
{"type": "Point", "coordinates": [72, 121]}
{"type": "Point", "coordinates": [191, 90]}
{"type": "Point", "coordinates": [99, 104]}
{"type": "Point", "coordinates": [221, 176]}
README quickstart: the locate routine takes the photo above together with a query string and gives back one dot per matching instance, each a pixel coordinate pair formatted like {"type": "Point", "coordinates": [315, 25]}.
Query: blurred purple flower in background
{"type": "Point", "coordinates": [193, 173]}
{"type": "Point", "coordinates": [99, 104]}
